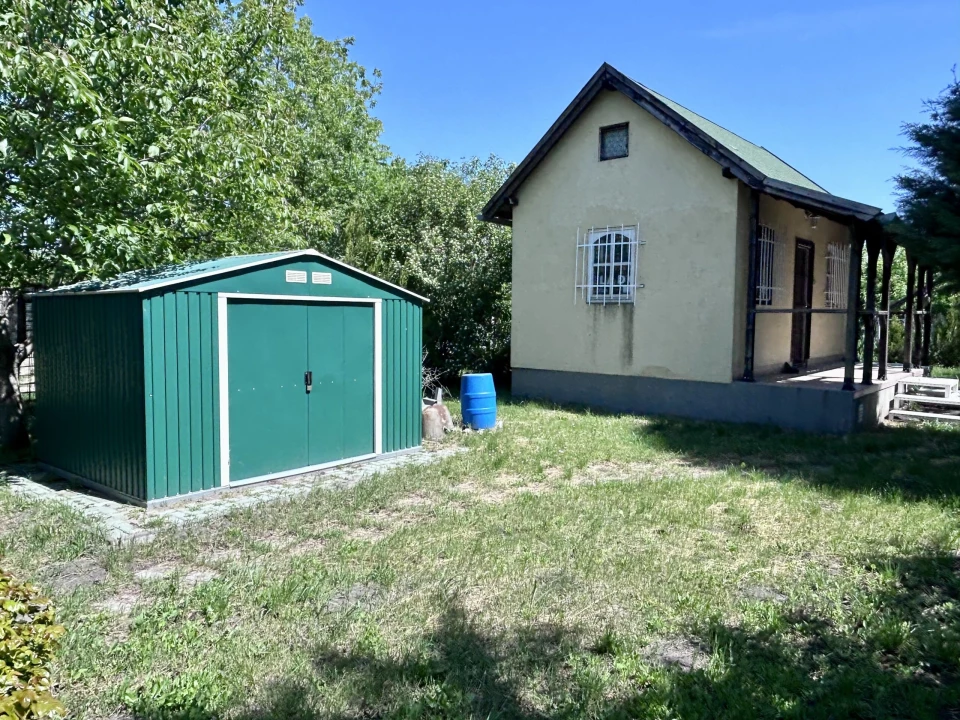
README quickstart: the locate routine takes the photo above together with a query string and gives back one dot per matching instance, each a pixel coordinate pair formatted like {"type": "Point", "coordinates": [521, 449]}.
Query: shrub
{"type": "Point", "coordinates": [28, 637]}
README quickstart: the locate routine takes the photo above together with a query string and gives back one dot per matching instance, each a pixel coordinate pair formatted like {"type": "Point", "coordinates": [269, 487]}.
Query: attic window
{"type": "Point", "coordinates": [614, 141]}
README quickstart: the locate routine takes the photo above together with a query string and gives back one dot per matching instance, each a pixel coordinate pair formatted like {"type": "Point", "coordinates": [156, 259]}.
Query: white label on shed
{"type": "Point", "coordinates": [297, 276]}
{"type": "Point", "coordinates": [320, 278]}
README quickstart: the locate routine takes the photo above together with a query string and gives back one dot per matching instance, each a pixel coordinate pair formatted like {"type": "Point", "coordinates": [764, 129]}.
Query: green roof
{"type": "Point", "coordinates": [166, 275]}
{"type": "Point", "coordinates": [139, 280]}
{"type": "Point", "coordinates": [756, 155]}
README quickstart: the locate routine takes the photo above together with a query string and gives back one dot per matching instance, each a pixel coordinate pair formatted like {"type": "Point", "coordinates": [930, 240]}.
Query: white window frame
{"type": "Point", "coordinates": [837, 275]}
{"type": "Point", "coordinates": [602, 279]}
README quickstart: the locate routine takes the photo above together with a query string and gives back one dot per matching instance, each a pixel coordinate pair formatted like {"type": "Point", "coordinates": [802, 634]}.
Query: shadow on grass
{"type": "Point", "coordinates": [896, 654]}
{"type": "Point", "coordinates": [914, 463]}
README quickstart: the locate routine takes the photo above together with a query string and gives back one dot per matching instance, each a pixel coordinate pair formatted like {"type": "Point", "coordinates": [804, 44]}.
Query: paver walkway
{"type": "Point", "coordinates": [125, 523]}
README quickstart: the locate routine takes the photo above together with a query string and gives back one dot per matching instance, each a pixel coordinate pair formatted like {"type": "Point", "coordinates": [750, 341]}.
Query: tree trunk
{"type": "Point", "coordinates": [13, 433]}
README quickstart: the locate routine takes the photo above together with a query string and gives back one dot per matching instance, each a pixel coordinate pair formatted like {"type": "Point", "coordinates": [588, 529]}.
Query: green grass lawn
{"type": "Point", "coordinates": [572, 565]}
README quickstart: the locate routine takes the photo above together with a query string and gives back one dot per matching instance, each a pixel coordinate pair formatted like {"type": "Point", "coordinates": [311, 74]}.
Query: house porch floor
{"type": "Point", "coordinates": [831, 378]}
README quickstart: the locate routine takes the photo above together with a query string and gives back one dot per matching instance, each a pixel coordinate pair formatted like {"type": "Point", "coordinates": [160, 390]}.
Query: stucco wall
{"type": "Point", "coordinates": [772, 348]}
{"type": "Point", "coordinates": [682, 324]}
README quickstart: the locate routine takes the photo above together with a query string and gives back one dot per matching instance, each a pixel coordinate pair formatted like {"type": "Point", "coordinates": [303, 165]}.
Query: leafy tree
{"type": "Point", "coordinates": [422, 232]}
{"type": "Point", "coordinates": [139, 132]}
{"type": "Point", "coordinates": [929, 202]}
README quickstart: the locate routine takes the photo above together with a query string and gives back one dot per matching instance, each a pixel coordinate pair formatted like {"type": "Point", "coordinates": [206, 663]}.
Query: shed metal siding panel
{"type": "Point", "coordinates": [89, 370]}
{"type": "Point", "coordinates": [181, 396]}
{"type": "Point", "coordinates": [401, 375]}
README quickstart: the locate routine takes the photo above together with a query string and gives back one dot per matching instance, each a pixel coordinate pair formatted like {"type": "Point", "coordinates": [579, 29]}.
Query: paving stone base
{"type": "Point", "coordinates": [124, 523]}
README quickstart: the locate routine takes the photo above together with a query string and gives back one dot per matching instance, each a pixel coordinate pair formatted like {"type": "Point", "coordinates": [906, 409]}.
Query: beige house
{"type": "Point", "coordinates": [663, 264]}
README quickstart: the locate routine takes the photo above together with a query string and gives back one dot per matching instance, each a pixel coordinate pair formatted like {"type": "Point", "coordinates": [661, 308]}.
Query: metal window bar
{"type": "Point", "coordinates": [838, 264]}
{"type": "Point", "coordinates": [771, 267]}
{"type": "Point", "coordinates": [606, 265]}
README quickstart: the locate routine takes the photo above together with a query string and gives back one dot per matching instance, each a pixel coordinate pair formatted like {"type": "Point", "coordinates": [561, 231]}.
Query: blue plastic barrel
{"type": "Point", "coordinates": [478, 401]}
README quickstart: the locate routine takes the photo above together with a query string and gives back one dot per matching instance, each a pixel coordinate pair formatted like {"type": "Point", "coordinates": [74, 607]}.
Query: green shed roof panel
{"type": "Point", "coordinates": [190, 273]}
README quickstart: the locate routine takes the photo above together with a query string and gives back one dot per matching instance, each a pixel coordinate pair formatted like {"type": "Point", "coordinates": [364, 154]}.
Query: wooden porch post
{"type": "Point", "coordinates": [927, 320]}
{"type": "Point", "coordinates": [751, 329]}
{"type": "Point", "coordinates": [869, 330]}
{"type": "Point", "coordinates": [889, 250]}
{"type": "Point", "coordinates": [908, 314]}
{"type": "Point", "coordinates": [853, 292]}
{"type": "Point", "coordinates": [918, 318]}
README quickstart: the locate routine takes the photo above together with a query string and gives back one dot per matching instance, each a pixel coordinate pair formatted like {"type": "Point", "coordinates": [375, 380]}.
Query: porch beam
{"type": "Point", "coordinates": [750, 334]}
{"type": "Point", "coordinates": [908, 313]}
{"type": "Point", "coordinates": [888, 251]}
{"type": "Point", "coordinates": [869, 331]}
{"type": "Point", "coordinates": [853, 292]}
{"type": "Point", "coordinates": [927, 319]}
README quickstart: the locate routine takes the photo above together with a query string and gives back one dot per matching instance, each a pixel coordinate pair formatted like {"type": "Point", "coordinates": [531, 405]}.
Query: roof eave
{"type": "Point", "coordinates": [824, 202]}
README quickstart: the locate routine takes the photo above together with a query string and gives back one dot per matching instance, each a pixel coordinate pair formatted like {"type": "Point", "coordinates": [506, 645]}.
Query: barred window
{"type": "Point", "coordinates": [768, 264]}
{"type": "Point", "coordinates": [607, 260]}
{"type": "Point", "coordinates": [838, 267]}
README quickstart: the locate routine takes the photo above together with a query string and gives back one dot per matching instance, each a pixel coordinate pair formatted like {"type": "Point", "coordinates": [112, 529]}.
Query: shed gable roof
{"type": "Point", "coordinates": [138, 281]}
{"type": "Point", "coordinates": [754, 165]}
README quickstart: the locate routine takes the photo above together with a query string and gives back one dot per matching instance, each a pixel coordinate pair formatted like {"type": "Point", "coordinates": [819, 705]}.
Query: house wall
{"type": "Point", "coordinates": [827, 332]}
{"type": "Point", "coordinates": [682, 325]}
{"type": "Point", "coordinates": [88, 356]}
{"type": "Point", "coordinates": [180, 344]}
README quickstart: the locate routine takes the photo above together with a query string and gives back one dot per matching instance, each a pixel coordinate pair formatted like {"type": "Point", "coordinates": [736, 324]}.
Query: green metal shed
{"type": "Point", "coordinates": [179, 381]}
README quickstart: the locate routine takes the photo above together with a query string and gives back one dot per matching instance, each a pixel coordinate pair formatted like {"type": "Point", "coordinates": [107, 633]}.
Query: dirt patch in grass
{"type": "Point", "coordinates": [156, 571]}
{"type": "Point", "coordinates": [221, 556]}
{"type": "Point", "coordinates": [762, 593]}
{"type": "Point", "coordinates": [69, 576]}
{"type": "Point", "coordinates": [416, 500]}
{"type": "Point", "coordinates": [502, 492]}
{"type": "Point", "coordinates": [678, 652]}
{"type": "Point", "coordinates": [648, 470]}
{"type": "Point", "coordinates": [552, 472]}
{"type": "Point", "coordinates": [122, 603]}
{"type": "Point", "coordinates": [308, 546]}
{"type": "Point", "coordinates": [380, 524]}
{"type": "Point", "coordinates": [199, 576]}
{"type": "Point", "coordinates": [368, 534]}
{"type": "Point", "coordinates": [362, 596]}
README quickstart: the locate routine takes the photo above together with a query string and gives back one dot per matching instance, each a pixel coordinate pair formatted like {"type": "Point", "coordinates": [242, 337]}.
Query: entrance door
{"type": "Point", "coordinates": [267, 355]}
{"type": "Point", "coordinates": [802, 299]}
{"type": "Point", "coordinates": [342, 398]}
{"type": "Point", "coordinates": [277, 422]}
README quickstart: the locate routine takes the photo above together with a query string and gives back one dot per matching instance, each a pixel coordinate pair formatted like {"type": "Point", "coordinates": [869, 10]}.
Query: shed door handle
{"type": "Point", "coordinates": [308, 380]}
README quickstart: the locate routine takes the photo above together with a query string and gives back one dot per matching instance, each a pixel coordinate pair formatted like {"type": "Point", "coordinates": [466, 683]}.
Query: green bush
{"type": "Point", "coordinates": [28, 637]}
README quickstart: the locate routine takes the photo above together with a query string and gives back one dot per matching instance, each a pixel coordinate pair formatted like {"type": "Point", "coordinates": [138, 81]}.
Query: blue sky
{"type": "Point", "coordinates": [825, 86]}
